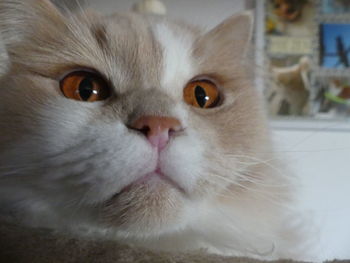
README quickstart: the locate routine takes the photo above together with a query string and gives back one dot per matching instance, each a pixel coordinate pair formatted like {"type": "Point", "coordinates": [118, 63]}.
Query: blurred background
{"type": "Point", "coordinates": [302, 53]}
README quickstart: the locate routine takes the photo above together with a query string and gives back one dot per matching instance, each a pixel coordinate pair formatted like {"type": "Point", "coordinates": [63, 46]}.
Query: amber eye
{"type": "Point", "coordinates": [85, 86]}
{"type": "Point", "coordinates": [202, 94]}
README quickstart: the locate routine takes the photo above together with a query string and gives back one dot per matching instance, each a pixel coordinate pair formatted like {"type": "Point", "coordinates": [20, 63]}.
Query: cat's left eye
{"type": "Point", "coordinates": [201, 94]}
{"type": "Point", "coordinates": [85, 86]}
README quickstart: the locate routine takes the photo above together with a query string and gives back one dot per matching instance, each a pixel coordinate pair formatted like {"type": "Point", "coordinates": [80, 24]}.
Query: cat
{"type": "Point", "coordinates": [140, 129]}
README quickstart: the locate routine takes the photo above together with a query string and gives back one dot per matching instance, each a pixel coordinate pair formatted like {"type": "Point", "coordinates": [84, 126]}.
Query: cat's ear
{"type": "Point", "coordinates": [20, 18]}
{"type": "Point", "coordinates": [228, 42]}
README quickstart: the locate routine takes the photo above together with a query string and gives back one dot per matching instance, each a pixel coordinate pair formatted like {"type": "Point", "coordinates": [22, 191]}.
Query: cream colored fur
{"type": "Point", "coordinates": [63, 163]}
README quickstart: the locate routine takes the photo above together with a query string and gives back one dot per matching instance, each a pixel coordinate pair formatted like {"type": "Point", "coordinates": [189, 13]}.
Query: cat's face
{"type": "Point", "coordinates": [95, 160]}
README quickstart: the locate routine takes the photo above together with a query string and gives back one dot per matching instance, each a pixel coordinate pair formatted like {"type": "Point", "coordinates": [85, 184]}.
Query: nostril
{"type": "Point", "coordinates": [144, 130]}
{"type": "Point", "coordinates": [175, 130]}
{"type": "Point", "coordinates": [171, 132]}
{"type": "Point", "coordinates": [159, 126]}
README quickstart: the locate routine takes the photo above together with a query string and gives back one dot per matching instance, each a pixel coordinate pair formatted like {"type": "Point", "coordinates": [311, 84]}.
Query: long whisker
{"type": "Point", "coordinates": [266, 194]}
{"type": "Point", "coordinates": [259, 161]}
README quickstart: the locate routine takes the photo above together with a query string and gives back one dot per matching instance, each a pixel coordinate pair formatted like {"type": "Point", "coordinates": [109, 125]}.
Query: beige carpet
{"type": "Point", "coordinates": [18, 244]}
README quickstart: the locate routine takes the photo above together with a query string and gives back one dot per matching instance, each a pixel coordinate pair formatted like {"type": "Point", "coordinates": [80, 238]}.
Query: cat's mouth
{"type": "Point", "coordinates": [151, 179]}
{"type": "Point", "coordinates": [152, 201]}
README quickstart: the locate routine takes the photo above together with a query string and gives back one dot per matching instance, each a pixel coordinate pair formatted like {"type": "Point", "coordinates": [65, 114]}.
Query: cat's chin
{"type": "Point", "coordinates": [152, 181]}
{"type": "Point", "coordinates": [153, 204]}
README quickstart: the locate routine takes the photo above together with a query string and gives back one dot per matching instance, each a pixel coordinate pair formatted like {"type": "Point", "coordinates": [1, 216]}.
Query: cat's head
{"type": "Point", "coordinates": [124, 120]}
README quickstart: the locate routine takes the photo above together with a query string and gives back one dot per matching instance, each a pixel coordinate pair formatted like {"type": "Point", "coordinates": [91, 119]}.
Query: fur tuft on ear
{"type": "Point", "coordinates": [229, 41]}
{"type": "Point", "coordinates": [19, 18]}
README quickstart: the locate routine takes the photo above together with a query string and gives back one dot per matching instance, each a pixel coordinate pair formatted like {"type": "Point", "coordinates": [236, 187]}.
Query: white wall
{"type": "Point", "coordinates": [202, 12]}
{"type": "Point", "coordinates": [320, 158]}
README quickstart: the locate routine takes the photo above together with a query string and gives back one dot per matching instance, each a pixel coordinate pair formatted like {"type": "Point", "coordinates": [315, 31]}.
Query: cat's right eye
{"type": "Point", "coordinates": [85, 86]}
{"type": "Point", "coordinates": [201, 94]}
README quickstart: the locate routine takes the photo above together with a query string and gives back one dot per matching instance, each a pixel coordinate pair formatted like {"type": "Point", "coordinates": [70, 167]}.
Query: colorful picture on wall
{"type": "Point", "coordinates": [289, 32]}
{"type": "Point", "coordinates": [289, 17]}
{"type": "Point", "coordinates": [289, 26]}
{"type": "Point", "coordinates": [335, 45]}
{"type": "Point", "coordinates": [333, 97]}
{"type": "Point", "coordinates": [335, 6]}
{"type": "Point", "coordinates": [307, 53]}
{"type": "Point", "coordinates": [289, 89]}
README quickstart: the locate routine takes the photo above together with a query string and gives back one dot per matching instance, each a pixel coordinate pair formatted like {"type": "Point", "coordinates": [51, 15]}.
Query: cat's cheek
{"type": "Point", "coordinates": [71, 122]}
{"type": "Point", "coordinates": [182, 161]}
{"type": "Point", "coordinates": [125, 157]}
{"type": "Point", "coordinates": [110, 179]}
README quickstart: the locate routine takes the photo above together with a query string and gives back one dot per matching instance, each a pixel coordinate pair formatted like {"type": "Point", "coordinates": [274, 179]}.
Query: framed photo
{"type": "Point", "coordinates": [289, 27]}
{"type": "Point", "coordinates": [333, 97]}
{"type": "Point", "coordinates": [335, 6]}
{"type": "Point", "coordinates": [334, 45]}
{"type": "Point", "coordinates": [306, 51]}
{"type": "Point", "coordinates": [289, 30]}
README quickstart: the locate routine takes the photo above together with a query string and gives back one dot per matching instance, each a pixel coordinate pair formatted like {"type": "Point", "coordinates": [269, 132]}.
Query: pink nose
{"type": "Point", "coordinates": [157, 129]}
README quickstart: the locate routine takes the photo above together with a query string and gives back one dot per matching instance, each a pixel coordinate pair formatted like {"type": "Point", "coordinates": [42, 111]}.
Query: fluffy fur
{"type": "Point", "coordinates": [63, 163]}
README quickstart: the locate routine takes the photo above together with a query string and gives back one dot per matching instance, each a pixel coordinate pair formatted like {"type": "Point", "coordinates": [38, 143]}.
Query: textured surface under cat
{"type": "Point", "coordinates": [63, 163]}
{"type": "Point", "coordinates": [22, 245]}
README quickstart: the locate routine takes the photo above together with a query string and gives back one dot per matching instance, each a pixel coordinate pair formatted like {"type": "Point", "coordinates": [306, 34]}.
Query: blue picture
{"type": "Point", "coordinates": [335, 6]}
{"type": "Point", "coordinates": [335, 45]}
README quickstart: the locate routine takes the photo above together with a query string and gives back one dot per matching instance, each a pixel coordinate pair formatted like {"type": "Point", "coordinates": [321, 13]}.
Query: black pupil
{"type": "Point", "coordinates": [201, 96]}
{"type": "Point", "coordinates": [86, 88]}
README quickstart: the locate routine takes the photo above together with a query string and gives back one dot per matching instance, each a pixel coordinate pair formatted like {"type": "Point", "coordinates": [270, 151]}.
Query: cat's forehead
{"type": "Point", "coordinates": [154, 51]}
{"type": "Point", "coordinates": [177, 60]}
